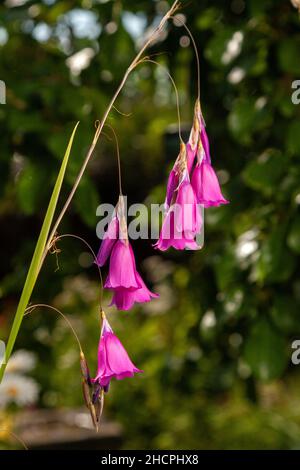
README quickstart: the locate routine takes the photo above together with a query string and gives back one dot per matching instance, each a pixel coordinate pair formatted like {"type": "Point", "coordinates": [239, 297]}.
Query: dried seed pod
{"type": "Point", "coordinates": [89, 404]}
{"type": "Point", "coordinates": [93, 416]}
{"type": "Point", "coordinates": [86, 393]}
{"type": "Point", "coordinates": [99, 406]}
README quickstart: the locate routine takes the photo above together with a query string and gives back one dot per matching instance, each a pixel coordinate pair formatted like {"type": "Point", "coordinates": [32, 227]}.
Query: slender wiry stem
{"type": "Point", "coordinates": [175, 89]}
{"type": "Point", "coordinates": [133, 64]}
{"type": "Point", "coordinates": [181, 23]}
{"type": "Point", "coordinates": [118, 157]}
{"type": "Point", "coordinates": [31, 308]}
{"type": "Point", "coordinates": [71, 235]}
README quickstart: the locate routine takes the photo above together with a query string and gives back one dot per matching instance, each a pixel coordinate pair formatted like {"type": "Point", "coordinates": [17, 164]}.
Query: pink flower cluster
{"type": "Point", "coordinates": [190, 184]}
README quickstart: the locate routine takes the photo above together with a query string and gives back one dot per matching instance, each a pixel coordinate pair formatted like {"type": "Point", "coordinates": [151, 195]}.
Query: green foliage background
{"type": "Point", "coordinates": [216, 347]}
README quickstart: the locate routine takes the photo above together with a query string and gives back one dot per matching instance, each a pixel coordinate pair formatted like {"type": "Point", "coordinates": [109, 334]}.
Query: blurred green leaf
{"type": "Point", "coordinates": [285, 314]}
{"type": "Point", "coordinates": [30, 187]}
{"type": "Point", "coordinates": [217, 46]}
{"type": "Point", "coordinates": [257, 7]}
{"type": "Point", "coordinates": [275, 263]}
{"type": "Point", "coordinates": [265, 172]}
{"type": "Point", "coordinates": [293, 138]}
{"type": "Point", "coordinates": [293, 239]}
{"type": "Point", "coordinates": [247, 117]}
{"type": "Point", "coordinates": [226, 270]}
{"type": "Point", "coordinates": [209, 18]}
{"type": "Point", "coordinates": [265, 351]}
{"type": "Point", "coordinates": [288, 55]}
{"type": "Point", "coordinates": [86, 201]}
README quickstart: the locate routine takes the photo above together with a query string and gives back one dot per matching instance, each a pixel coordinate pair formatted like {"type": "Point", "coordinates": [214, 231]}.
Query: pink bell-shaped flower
{"type": "Point", "coordinates": [182, 222]}
{"type": "Point", "coordinates": [123, 278]}
{"type": "Point", "coordinates": [206, 185]}
{"type": "Point", "coordinates": [113, 360]}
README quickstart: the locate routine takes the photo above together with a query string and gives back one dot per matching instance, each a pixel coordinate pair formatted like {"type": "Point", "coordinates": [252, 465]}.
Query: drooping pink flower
{"type": "Point", "coordinates": [187, 215]}
{"type": "Point", "coordinates": [170, 237]}
{"type": "Point", "coordinates": [122, 269]}
{"type": "Point", "coordinates": [109, 239]}
{"type": "Point", "coordinates": [204, 179]}
{"type": "Point", "coordinates": [124, 299]}
{"type": "Point", "coordinates": [113, 360]}
{"type": "Point", "coordinates": [123, 278]}
{"type": "Point", "coordinates": [182, 221]}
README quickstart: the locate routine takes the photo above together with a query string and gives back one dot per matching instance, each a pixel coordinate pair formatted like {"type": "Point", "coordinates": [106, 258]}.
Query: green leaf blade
{"type": "Point", "coordinates": [37, 258]}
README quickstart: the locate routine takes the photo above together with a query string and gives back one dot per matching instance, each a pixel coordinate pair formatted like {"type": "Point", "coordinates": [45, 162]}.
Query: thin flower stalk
{"type": "Point", "coordinates": [190, 185]}
{"type": "Point", "coordinates": [87, 384]}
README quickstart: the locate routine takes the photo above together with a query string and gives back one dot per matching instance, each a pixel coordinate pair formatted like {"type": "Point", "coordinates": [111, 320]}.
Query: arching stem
{"type": "Point", "coordinates": [71, 235]}
{"type": "Point", "coordinates": [31, 308]}
{"type": "Point", "coordinates": [181, 23]}
{"type": "Point", "coordinates": [131, 67]}
{"type": "Point", "coordinates": [146, 59]}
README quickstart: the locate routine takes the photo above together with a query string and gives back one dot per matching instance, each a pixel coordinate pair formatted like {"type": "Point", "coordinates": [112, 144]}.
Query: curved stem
{"type": "Point", "coordinates": [118, 157]}
{"type": "Point", "coordinates": [16, 437]}
{"type": "Point", "coordinates": [133, 64]}
{"type": "Point", "coordinates": [146, 59]}
{"type": "Point", "coordinates": [77, 237]}
{"type": "Point", "coordinates": [31, 308]}
{"type": "Point", "coordinates": [181, 23]}
{"type": "Point", "coordinates": [120, 112]}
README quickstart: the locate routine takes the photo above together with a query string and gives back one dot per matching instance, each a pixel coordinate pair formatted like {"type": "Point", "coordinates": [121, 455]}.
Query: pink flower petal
{"type": "Point", "coordinates": [124, 299]}
{"type": "Point", "coordinates": [109, 239]}
{"type": "Point", "coordinates": [172, 184]}
{"type": "Point", "coordinates": [122, 270]}
{"type": "Point", "coordinates": [205, 141]}
{"type": "Point", "coordinates": [190, 156]}
{"type": "Point", "coordinates": [206, 186]}
{"type": "Point", "coordinates": [113, 360]}
{"type": "Point", "coordinates": [187, 215]}
{"type": "Point", "coordinates": [170, 237]}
